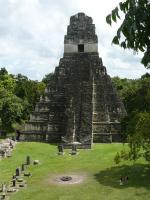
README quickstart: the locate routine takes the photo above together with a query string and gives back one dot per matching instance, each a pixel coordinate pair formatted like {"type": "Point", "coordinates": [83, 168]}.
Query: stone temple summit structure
{"type": "Point", "coordinates": [80, 105]}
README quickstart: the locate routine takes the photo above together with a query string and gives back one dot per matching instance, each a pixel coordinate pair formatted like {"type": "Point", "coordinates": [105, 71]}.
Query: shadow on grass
{"type": "Point", "coordinates": [139, 176]}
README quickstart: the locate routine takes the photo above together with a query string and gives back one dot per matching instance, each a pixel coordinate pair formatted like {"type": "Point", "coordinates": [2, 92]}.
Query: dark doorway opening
{"type": "Point", "coordinates": [80, 47]}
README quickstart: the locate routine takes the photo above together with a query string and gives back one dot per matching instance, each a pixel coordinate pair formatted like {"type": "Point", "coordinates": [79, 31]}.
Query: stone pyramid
{"type": "Point", "coordinates": [80, 105]}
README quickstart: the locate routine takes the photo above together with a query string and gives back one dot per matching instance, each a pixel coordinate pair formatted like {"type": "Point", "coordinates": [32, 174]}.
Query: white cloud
{"type": "Point", "coordinates": [32, 34]}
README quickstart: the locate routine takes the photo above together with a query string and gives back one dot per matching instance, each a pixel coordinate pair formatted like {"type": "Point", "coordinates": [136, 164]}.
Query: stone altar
{"type": "Point", "coordinates": [80, 105]}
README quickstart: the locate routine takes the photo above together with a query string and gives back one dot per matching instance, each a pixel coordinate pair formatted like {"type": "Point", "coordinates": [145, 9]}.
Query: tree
{"type": "Point", "coordinates": [7, 82]}
{"type": "Point", "coordinates": [136, 126]}
{"type": "Point", "coordinates": [10, 105]}
{"type": "Point", "coordinates": [18, 96]}
{"type": "Point", "coordinates": [135, 27]}
{"type": "Point", "coordinates": [29, 91]}
{"type": "Point", "coordinates": [10, 111]}
{"type": "Point", "coordinates": [48, 79]}
{"type": "Point", "coordinates": [134, 93]}
{"type": "Point", "coordinates": [139, 136]}
{"type": "Point", "coordinates": [3, 71]}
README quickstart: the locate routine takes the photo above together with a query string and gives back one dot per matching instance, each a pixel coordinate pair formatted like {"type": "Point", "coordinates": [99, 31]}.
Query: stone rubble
{"type": "Point", "coordinates": [6, 147]}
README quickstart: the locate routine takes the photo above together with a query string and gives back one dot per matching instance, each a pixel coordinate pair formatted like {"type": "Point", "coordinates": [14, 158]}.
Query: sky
{"type": "Point", "coordinates": [32, 36]}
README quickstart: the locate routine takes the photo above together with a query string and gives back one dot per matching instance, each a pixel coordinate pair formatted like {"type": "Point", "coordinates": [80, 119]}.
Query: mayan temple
{"type": "Point", "coordinates": [80, 105]}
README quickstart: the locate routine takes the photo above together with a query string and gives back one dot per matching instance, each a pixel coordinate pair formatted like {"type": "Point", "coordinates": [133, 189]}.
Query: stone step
{"type": "Point", "coordinates": [105, 122]}
{"type": "Point", "coordinates": [38, 122]}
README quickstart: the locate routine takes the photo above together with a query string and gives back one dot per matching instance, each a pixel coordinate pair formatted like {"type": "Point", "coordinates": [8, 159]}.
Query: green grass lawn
{"type": "Point", "coordinates": [97, 165]}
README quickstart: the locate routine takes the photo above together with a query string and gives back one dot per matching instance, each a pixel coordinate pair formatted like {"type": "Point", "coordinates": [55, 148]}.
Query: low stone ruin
{"type": "Point", "coordinates": [6, 147]}
{"type": "Point", "coordinates": [17, 181]}
{"type": "Point", "coordinates": [60, 149]}
{"type": "Point", "coordinates": [74, 149]}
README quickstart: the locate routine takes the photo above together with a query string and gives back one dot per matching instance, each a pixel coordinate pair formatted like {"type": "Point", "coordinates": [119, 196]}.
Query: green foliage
{"type": "Point", "coordinates": [10, 111]}
{"type": "Point", "coordinates": [122, 155]}
{"type": "Point", "coordinates": [115, 40]}
{"type": "Point", "coordinates": [134, 93]}
{"type": "Point", "coordinates": [48, 79]}
{"type": "Point", "coordinates": [136, 126]}
{"type": "Point", "coordinates": [10, 105]}
{"type": "Point", "coordinates": [108, 19]}
{"type": "Point", "coordinates": [18, 96]}
{"type": "Point", "coordinates": [117, 158]}
{"type": "Point", "coordinates": [7, 83]}
{"type": "Point", "coordinates": [28, 89]}
{"type": "Point", "coordinates": [139, 135]}
{"type": "Point", "coordinates": [3, 72]}
{"type": "Point", "coordinates": [135, 27]}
